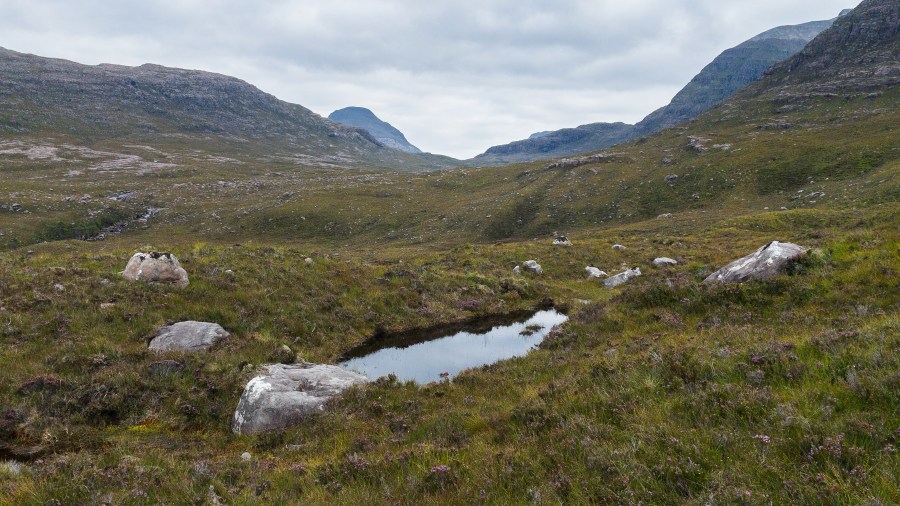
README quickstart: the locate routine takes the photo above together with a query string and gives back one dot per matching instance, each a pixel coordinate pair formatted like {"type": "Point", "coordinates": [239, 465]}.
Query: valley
{"type": "Point", "coordinates": [663, 390]}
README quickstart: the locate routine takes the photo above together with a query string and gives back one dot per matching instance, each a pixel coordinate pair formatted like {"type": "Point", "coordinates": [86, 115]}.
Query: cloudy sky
{"type": "Point", "coordinates": [456, 76]}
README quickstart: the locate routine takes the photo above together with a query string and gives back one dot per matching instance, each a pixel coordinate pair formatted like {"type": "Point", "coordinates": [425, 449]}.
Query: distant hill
{"type": "Point", "coordinates": [727, 73]}
{"type": "Point", "coordinates": [164, 106]}
{"type": "Point", "coordinates": [382, 131]}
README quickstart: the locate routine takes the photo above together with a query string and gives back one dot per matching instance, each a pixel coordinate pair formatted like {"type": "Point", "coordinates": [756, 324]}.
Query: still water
{"type": "Point", "coordinates": [423, 356]}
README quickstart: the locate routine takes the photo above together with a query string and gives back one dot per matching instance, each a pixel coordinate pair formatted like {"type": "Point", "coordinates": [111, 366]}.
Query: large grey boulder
{"type": "Point", "coordinates": [764, 263]}
{"type": "Point", "coordinates": [155, 268]}
{"type": "Point", "coordinates": [286, 394]}
{"type": "Point", "coordinates": [188, 336]}
{"type": "Point", "coordinates": [622, 277]}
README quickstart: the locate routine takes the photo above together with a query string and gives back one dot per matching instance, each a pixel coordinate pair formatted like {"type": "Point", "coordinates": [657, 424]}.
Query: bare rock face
{"type": "Point", "coordinates": [155, 268]}
{"type": "Point", "coordinates": [764, 263]}
{"type": "Point", "coordinates": [286, 394]}
{"type": "Point", "coordinates": [188, 336]}
{"type": "Point", "coordinates": [622, 277]}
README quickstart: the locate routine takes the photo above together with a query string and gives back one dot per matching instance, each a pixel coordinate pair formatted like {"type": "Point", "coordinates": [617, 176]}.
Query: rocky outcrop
{"type": "Point", "coordinates": [764, 263]}
{"type": "Point", "coordinates": [622, 277]}
{"type": "Point", "coordinates": [155, 267]}
{"type": "Point", "coordinates": [283, 395]}
{"type": "Point", "coordinates": [187, 336]}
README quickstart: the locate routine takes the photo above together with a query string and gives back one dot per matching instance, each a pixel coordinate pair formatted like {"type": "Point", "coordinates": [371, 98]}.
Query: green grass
{"type": "Point", "coordinates": [661, 391]}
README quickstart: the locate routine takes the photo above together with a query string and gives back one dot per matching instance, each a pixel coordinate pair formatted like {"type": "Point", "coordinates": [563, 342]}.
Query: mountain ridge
{"type": "Point", "coordinates": [731, 70]}
{"type": "Point", "coordinates": [382, 131]}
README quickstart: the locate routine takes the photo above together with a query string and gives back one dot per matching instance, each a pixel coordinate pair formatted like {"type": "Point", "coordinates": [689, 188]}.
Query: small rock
{"type": "Point", "coordinates": [107, 305]}
{"type": "Point", "coordinates": [622, 277]}
{"type": "Point", "coordinates": [309, 261]}
{"type": "Point", "coordinates": [188, 336]}
{"type": "Point", "coordinates": [517, 270]}
{"type": "Point", "coordinates": [665, 262]}
{"type": "Point", "coordinates": [59, 288]}
{"type": "Point", "coordinates": [619, 247]}
{"type": "Point", "coordinates": [246, 457]}
{"type": "Point", "coordinates": [562, 241]}
{"type": "Point", "coordinates": [533, 266]}
{"type": "Point", "coordinates": [665, 215]}
{"type": "Point", "coordinates": [594, 272]}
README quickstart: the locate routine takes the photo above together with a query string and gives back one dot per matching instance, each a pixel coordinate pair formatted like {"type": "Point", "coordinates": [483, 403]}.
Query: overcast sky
{"type": "Point", "coordinates": [456, 76]}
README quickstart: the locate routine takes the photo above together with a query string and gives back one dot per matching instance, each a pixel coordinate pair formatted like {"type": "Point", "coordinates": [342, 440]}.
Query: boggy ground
{"type": "Point", "coordinates": [660, 391]}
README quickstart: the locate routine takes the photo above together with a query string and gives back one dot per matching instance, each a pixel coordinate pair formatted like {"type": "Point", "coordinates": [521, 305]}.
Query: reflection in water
{"type": "Point", "coordinates": [424, 361]}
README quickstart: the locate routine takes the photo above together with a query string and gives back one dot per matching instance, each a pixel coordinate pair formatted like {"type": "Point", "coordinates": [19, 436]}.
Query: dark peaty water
{"type": "Point", "coordinates": [423, 360]}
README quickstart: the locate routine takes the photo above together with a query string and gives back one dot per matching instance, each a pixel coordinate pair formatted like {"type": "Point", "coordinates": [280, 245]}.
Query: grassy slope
{"type": "Point", "coordinates": [671, 415]}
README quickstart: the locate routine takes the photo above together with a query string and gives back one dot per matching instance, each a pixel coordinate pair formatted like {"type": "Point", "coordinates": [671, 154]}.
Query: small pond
{"type": "Point", "coordinates": [424, 355]}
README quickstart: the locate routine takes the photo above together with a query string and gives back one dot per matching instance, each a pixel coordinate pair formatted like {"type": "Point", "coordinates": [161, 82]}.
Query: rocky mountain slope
{"type": "Point", "coordinates": [151, 104]}
{"type": "Point", "coordinates": [727, 73]}
{"type": "Point", "coordinates": [382, 131]}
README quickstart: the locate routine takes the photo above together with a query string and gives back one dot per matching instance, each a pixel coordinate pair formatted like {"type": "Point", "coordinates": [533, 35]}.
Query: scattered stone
{"type": "Point", "coordinates": [698, 144]}
{"type": "Point", "coordinates": [665, 262]}
{"type": "Point", "coordinates": [286, 394]}
{"type": "Point", "coordinates": [622, 277]}
{"type": "Point", "coordinates": [562, 241]}
{"type": "Point", "coordinates": [59, 288]}
{"type": "Point", "coordinates": [107, 305]}
{"type": "Point", "coordinates": [532, 266]}
{"type": "Point", "coordinates": [671, 178]}
{"type": "Point", "coordinates": [764, 263]}
{"type": "Point", "coordinates": [665, 216]}
{"type": "Point", "coordinates": [667, 160]}
{"type": "Point", "coordinates": [188, 336]}
{"type": "Point", "coordinates": [155, 267]}
{"type": "Point", "coordinates": [517, 270]}
{"type": "Point", "coordinates": [246, 457]}
{"type": "Point", "coordinates": [619, 247]}
{"type": "Point", "coordinates": [309, 261]}
{"type": "Point", "coordinates": [594, 272]}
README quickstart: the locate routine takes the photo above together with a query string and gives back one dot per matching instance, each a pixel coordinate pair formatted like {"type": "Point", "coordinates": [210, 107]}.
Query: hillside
{"type": "Point", "coordinates": [664, 390]}
{"type": "Point", "coordinates": [727, 73]}
{"type": "Point", "coordinates": [111, 106]}
{"type": "Point", "coordinates": [383, 132]}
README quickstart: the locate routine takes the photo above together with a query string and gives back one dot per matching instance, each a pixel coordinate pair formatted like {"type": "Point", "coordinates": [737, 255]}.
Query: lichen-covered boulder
{"type": "Point", "coordinates": [155, 267]}
{"type": "Point", "coordinates": [622, 277]}
{"type": "Point", "coordinates": [283, 395]}
{"type": "Point", "coordinates": [771, 259]}
{"type": "Point", "coordinates": [187, 336]}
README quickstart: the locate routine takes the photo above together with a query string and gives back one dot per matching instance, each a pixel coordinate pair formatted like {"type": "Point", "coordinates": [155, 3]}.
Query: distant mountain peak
{"type": "Point", "coordinates": [383, 132]}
